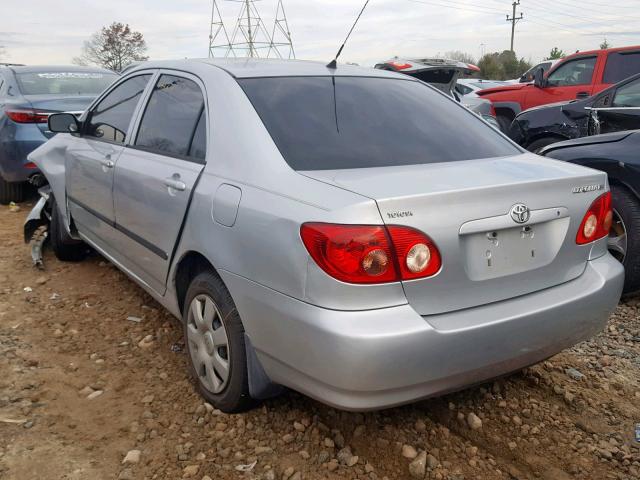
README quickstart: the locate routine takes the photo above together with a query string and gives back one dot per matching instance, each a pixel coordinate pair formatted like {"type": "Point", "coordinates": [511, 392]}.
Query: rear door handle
{"type": "Point", "coordinates": [175, 184]}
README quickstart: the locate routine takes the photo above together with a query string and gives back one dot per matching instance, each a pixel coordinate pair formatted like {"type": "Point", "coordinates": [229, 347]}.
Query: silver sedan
{"type": "Point", "coordinates": [352, 234]}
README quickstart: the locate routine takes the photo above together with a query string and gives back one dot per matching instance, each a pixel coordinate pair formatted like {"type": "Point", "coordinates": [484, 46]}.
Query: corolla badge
{"type": "Point", "coordinates": [520, 213]}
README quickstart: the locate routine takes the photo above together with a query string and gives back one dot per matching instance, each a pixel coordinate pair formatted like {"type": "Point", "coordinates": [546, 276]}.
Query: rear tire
{"type": "Point", "coordinates": [627, 209]}
{"type": "Point", "coordinates": [64, 247]}
{"type": "Point", "coordinates": [539, 144]}
{"type": "Point", "coordinates": [209, 316]}
{"type": "Point", "coordinates": [11, 191]}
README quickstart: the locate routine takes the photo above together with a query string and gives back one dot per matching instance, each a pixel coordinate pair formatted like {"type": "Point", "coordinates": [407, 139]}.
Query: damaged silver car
{"type": "Point", "coordinates": [352, 234]}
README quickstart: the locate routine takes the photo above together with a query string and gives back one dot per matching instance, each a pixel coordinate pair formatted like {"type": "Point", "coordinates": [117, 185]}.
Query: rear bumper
{"type": "Point", "coordinates": [17, 141]}
{"type": "Point", "coordinates": [381, 358]}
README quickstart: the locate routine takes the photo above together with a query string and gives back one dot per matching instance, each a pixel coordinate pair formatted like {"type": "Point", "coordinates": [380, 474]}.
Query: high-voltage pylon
{"type": "Point", "coordinates": [249, 37]}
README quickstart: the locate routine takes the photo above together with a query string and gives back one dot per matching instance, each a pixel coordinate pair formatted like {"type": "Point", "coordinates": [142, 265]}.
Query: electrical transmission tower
{"type": "Point", "coordinates": [249, 37]}
{"type": "Point", "coordinates": [514, 19]}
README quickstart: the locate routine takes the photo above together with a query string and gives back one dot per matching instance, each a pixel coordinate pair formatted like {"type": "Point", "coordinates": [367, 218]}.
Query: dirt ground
{"type": "Point", "coordinates": [81, 389]}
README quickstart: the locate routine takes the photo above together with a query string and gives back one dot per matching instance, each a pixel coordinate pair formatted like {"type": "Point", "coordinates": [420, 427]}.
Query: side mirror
{"type": "Point", "coordinates": [63, 123]}
{"type": "Point", "coordinates": [538, 78]}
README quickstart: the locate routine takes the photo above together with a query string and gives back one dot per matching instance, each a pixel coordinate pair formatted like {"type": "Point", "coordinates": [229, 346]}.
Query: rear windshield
{"type": "Point", "coordinates": [66, 83]}
{"type": "Point", "coordinates": [326, 123]}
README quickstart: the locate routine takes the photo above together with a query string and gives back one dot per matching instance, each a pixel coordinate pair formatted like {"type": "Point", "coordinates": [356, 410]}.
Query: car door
{"type": "Point", "coordinates": [570, 80]}
{"type": "Point", "coordinates": [92, 156]}
{"type": "Point", "coordinates": [156, 174]}
{"type": "Point", "coordinates": [624, 111]}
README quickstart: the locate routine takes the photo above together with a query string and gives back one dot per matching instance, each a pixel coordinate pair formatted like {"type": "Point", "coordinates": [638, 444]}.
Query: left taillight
{"type": "Point", "coordinates": [27, 116]}
{"type": "Point", "coordinates": [597, 221]}
{"type": "Point", "coordinates": [369, 254]}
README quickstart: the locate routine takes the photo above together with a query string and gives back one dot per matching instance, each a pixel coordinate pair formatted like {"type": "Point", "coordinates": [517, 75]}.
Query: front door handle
{"type": "Point", "coordinates": [175, 184]}
{"type": "Point", "coordinates": [582, 94]}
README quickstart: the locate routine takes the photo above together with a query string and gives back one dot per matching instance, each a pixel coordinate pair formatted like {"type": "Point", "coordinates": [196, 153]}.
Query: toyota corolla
{"type": "Point", "coordinates": [352, 234]}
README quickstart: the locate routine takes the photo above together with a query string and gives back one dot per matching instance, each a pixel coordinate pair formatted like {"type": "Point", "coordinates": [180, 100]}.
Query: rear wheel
{"type": "Point", "coordinates": [624, 239]}
{"type": "Point", "coordinates": [539, 144]}
{"type": "Point", "coordinates": [214, 339]}
{"type": "Point", "coordinates": [11, 191]}
{"type": "Point", "coordinates": [64, 247]}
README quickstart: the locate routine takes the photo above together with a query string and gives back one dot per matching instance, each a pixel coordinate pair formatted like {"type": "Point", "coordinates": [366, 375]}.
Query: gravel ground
{"type": "Point", "coordinates": [94, 385]}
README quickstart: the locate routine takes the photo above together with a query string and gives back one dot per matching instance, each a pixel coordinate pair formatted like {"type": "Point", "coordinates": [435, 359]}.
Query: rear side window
{"type": "Point", "coordinates": [110, 119]}
{"type": "Point", "coordinates": [628, 95]}
{"type": "Point", "coordinates": [621, 65]}
{"type": "Point", "coordinates": [322, 123]}
{"type": "Point", "coordinates": [573, 72]}
{"type": "Point", "coordinates": [169, 123]}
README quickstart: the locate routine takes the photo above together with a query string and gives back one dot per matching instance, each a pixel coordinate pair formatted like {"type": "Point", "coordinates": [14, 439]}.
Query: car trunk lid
{"type": "Point", "coordinates": [75, 104]}
{"type": "Point", "coordinates": [465, 207]}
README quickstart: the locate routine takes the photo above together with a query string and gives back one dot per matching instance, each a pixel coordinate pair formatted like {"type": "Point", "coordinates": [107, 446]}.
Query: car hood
{"type": "Point", "coordinates": [592, 140]}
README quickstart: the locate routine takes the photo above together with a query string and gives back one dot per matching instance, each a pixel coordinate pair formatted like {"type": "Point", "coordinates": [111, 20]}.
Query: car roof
{"type": "Point", "coordinates": [260, 67]}
{"type": "Point", "coordinates": [57, 68]}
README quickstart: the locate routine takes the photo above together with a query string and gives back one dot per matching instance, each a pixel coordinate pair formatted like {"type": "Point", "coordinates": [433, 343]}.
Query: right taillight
{"type": "Point", "coordinates": [368, 254]}
{"type": "Point", "coordinates": [597, 221]}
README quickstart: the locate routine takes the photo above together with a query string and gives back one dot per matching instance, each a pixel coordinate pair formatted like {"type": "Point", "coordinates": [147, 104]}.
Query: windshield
{"type": "Point", "coordinates": [322, 123]}
{"type": "Point", "coordinates": [66, 83]}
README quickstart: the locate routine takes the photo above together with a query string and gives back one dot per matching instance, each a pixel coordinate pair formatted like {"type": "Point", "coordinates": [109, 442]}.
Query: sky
{"type": "Point", "coordinates": [53, 31]}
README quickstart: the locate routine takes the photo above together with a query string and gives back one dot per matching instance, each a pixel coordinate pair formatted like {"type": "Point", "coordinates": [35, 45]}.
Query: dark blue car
{"type": "Point", "coordinates": [28, 95]}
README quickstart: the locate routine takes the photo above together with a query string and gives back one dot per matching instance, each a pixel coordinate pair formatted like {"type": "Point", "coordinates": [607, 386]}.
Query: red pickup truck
{"type": "Point", "coordinates": [577, 76]}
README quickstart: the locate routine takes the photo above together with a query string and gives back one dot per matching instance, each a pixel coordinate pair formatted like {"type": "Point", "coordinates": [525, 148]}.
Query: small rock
{"type": "Point", "coordinates": [432, 462]}
{"type": "Point", "coordinates": [146, 342]}
{"type": "Point", "coordinates": [148, 399]}
{"type": "Point", "coordinates": [575, 374]}
{"type": "Point", "coordinates": [41, 280]}
{"type": "Point", "coordinates": [86, 391]}
{"type": "Point", "coordinates": [409, 452]}
{"type": "Point", "coordinates": [133, 456]}
{"type": "Point", "coordinates": [418, 467]}
{"type": "Point", "coordinates": [95, 394]}
{"type": "Point", "coordinates": [329, 443]}
{"type": "Point", "coordinates": [190, 471]}
{"type": "Point", "coordinates": [474, 421]}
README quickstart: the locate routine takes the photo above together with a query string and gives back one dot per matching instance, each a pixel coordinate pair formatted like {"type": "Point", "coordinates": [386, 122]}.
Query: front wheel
{"type": "Point", "coordinates": [214, 339]}
{"type": "Point", "coordinates": [624, 239]}
{"type": "Point", "coordinates": [65, 248]}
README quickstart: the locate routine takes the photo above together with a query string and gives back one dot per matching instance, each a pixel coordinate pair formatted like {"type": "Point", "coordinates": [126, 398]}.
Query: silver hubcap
{"type": "Point", "coordinates": [617, 242]}
{"type": "Point", "coordinates": [208, 343]}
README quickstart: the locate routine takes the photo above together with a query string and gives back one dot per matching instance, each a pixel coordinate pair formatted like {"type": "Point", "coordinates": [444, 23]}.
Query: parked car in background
{"type": "Point", "coordinates": [443, 74]}
{"type": "Point", "coordinates": [577, 76]}
{"type": "Point", "coordinates": [468, 87]}
{"type": "Point", "coordinates": [349, 233]}
{"type": "Point", "coordinates": [529, 75]}
{"type": "Point", "coordinates": [614, 109]}
{"type": "Point", "coordinates": [28, 95]}
{"type": "Point", "coordinates": [617, 155]}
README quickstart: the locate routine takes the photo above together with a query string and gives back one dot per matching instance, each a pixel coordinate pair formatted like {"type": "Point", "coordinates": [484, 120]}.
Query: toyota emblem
{"type": "Point", "coordinates": [520, 213]}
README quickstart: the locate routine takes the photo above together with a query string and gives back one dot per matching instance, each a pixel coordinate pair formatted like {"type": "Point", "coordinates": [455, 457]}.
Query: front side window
{"type": "Point", "coordinates": [64, 83]}
{"type": "Point", "coordinates": [110, 119]}
{"type": "Point", "coordinates": [628, 95]}
{"type": "Point", "coordinates": [621, 65]}
{"type": "Point", "coordinates": [169, 123]}
{"type": "Point", "coordinates": [573, 72]}
{"type": "Point", "coordinates": [322, 123]}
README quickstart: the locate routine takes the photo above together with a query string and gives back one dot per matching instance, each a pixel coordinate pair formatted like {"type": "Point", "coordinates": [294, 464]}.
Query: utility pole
{"type": "Point", "coordinates": [513, 19]}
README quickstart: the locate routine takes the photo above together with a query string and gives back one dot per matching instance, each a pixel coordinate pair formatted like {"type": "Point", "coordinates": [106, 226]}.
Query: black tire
{"type": "Point", "coordinates": [504, 122]}
{"type": "Point", "coordinates": [540, 143]}
{"type": "Point", "coordinates": [65, 248]}
{"type": "Point", "coordinates": [235, 396]}
{"type": "Point", "coordinates": [627, 207]}
{"type": "Point", "coordinates": [11, 191]}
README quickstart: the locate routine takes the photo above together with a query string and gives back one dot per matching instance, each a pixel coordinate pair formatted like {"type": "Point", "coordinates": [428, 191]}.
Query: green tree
{"type": "Point", "coordinates": [460, 56]}
{"type": "Point", "coordinates": [555, 54]}
{"type": "Point", "coordinates": [502, 66]}
{"type": "Point", "coordinates": [605, 44]}
{"type": "Point", "coordinates": [114, 47]}
{"type": "Point", "coordinates": [490, 67]}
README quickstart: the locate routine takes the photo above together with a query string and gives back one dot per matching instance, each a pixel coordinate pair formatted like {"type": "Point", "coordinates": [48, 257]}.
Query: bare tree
{"type": "Point", "coordinates": [114, 47]}
{"type": "Point", "coordinates": [460, 56]}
